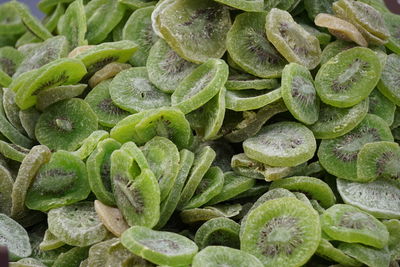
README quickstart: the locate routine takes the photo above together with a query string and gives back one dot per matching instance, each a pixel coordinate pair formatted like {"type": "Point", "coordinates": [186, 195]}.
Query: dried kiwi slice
{"type": "Point", "coordinates": [315, 7]}
{"type": "Point", "coordinates": [50, 241]}
{"type": "Point", "coordinates": [159, 247]}
{"type": "Point", "coordinates": [65, 124]}
{"type": "Point", "coordinates": [137, 4]}
{"type": "Point", "coordinates": [243, 81]}
{"type": "Point", "coordinates": [292, 40]}
{"type": "Point", "coordinates": [381, 106]}
{"type": "Point", "coordinates": [72, 257]}
{"type": "Point", "coordinates": [283, 231]}
{"type": "Point", "coordinates": [251, 99]}
{"type": "Point", "coordinates": [367, 255]}
{"type": "Point", "coordinates": [131, 90]}
{"type": "Point", "coordinates": [281, 144]}
{"type": "Point", "coordinates": [6, 185]}
{"type": "Point", "coordinates": [111, 217]}
{"type": "Point", "coordinates": [73, 24]}
{"type": "Point", "coordinates": [224, 256]}
{"type": "Point", "coordinates": [12, 151]}
{"type": "Point", "coordinates": [10, 59]}
{"type": "Point", "coordinates": [246, 5]}
{"type": "Point", "coordinates": [218, 232]}
{"type": "Point", "coordinates": [196, 30]}
{"type": "Point", "coordinates": [328, 251]}
{"type": "Point", "coordinates": [207, 213]}
{"type": "Point", "coordinates": [249, 48]}
{"type": "Point", "coordinates": [14, 237]}
{"type": "Point", "coordinates": [339, 156]}
{"type": "Point", "coordinates": [10, 22]}
{"type": "Point", "coordinates": [348, 78]}
{"type": "Point", "coordinates": [298, 93]}
{"type": "Point", "coordinates": [389, 83]}
{"type": "Point", "coordinates": [54, 94]}
{"type": "Point", "coordinates": [89, 144]}
{"type": "Point", "coordinates": [392, 22]}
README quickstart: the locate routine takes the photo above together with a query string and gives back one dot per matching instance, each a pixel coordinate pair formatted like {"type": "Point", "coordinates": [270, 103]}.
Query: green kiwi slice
{"type": "Point", "coordinates": [392, 22]}
{"type": "Point", "coordinates": [5, 79]}
{"type": "Point", "coordinates": [348, 78]}
{"type": "Point", "coordinates": [59, 72]}
{"type": "Point", "coordinates": [281, 144]}
{"type": "Point", "coordinates": [381, 106]}
{"type": "Point", "coordinates": [10, 59]}
{"type": "Point", "coordinates": [246, 5]}
{"type": "Point", "coordinates": [138, 28]}
{"type": "Point", "coordinates": [159, 247]}
{"type": "Point", "coordinates": [367, 255]}
{"type": "Point", "coordinates": [76, 224]}
{"type": "Point", "coordinates": [65, 124]}
{"type": "Point", "coordinates": [101, 18]}
{"type": "Point", "coordinates": [73, 24]}
{"type": "Point", "coordinates": [378, 159]}
{"type": "Point", "coordinates": [350, 224]}
{"type": "Point", "coordinates": [251, 99]}
{"type": "Point", "coordinates": [292, 40]}
{"type": "Point", "coordinates": [166, 69]}
{"type": "Point", "coordinates": [314, 188]}
{"type": "Point", "coordinates": [243, 81]}
{"type": "Point", "coordinates": [10, 22]}
{"type": "Point", "coordinates": [328, 251]}
{"type": "Point", "coordinates": [50, 241]}
{"type": "Point", "coordinates": [32, 162]}
{"type": "Point", "coordinates": [334, 48]}
{"type": "Point", "coordinates": [89, 144]}
{"type": "Point", "coordinates": [137, 4]}
{"type": "Point", "coordinates": [195, 30]}
{"type": "Point", "coordinates": [281, 231]}
{"type": "Point", "coordinates": [6, 185]}
{"type": "Point", "coordinates": [49, 96]}
{"type": "Point", "coordinates": [218, 232]}
{"type": "Point", "coordinates": [29, 118]}
{"type": "Point", "coordinates": [389, 83]}
{"type": "Point", "coordinates": [12, 151]}
{"type": "Point", "coordinates": [334, 122]}
{"type": "Point", "coordinates": [131, 90]}
{"type": "Point", "coordinates": [197, 215]}
{"type": "Point", "coordinates": [72, 257]}
{"type": "Point", "coordinates": [298, 93]}
{"type": "Point", "coordinates": [249, 48]}
{"type": "Point", "coordinates": [101, 103]}
{"type": "Point", "coordinates": [379, 198]}
{"type": "Point", "coordinates": [14, 237]}
{"type": "Point", "coordinates": [224, 256]}
{"type": "Point", "coordinates": [339, 156]}
{"type": "Point", "coordinates": [107, 72]}
{"type": "Point", "coordinates": [200, 86]}
{"type": "Point", "coordinates": [61, 181]}
{"type": "Point", "coordinates": [393, 226]}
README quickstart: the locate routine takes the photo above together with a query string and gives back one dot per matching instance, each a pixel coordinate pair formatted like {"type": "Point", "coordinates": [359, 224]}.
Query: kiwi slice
{"type": "Point", "coordinates": [131, 90]}
{"type": "Point", "coordinates": [249, 48]}
{"type": "Point", "coordinates": [101, 103]}
{"type": "Point", "coordinates": [107, 72]}
{"type": "Point", "coordinates": [339, 156]}
{"type": "Point", "coordinates": [392, 22]}
{"type": "Point", "coordinates": [251, 99]}
{"type": "Point", "coordinates": [195, 30]}
{"type": "Point", "coordinates": [111, 217]}
{"type": "Point", "coordinates": [334, 122]}
{"type": "Point", "coordinates": [73, 24]}
{"type": "Point", "coordinates": [393, 226]}
{"type": "Point", "coordinates": [10, 22]}
{"type": "Point", "coordinates": [281, 231]}
{"type": "Point", "coordinates": [6, 185]}
{"type": "Point", "coordinates": [381, 106]}
{"type": "Point", "coordinates": [12, 151]}
{"type": "Point", "coordinates": [50, 241]}
{"type": "Point", "coordinates": [29, 118]}
{"type": "Point", "coordinates": [334, 48]}
{"type": "Point", "coordinates": [379, 198]}
{"type": "Point", "coordinates": [159, 247]}
{"type": "Point", "coordinates": [72, 257]}
{"type": "Point", "coordinates": [218, 232]}
{"type": "Point", "coordinates": [5, 79]}
{"type": "Point", "coordinates": [243, 81]}
{"type": "Point", "coordinates": [65, 124]}
{"type": "Point", "coordinates": [10, 59]}
{"type": "Point", "coordinates": [328, 251]}
{"type": "Point", "coordinates": [298, 93]}
{"type": "Point", "coordinates": [388, 85]}
{"type": "Point", "coordinates": [348, 78]}
{"type": "Point", "coordinates": [367, 255]}
{"type": "Point", "coordinates": [52, 95]}
{"type": "Point", "coordinates": [281, 144]}
{"type": "Point", "coordinates": [224, 256]}
{"type": "Point", "coordinates": [291, 40]}
{"type": "Point", "coordinates": [166, 69]}
{"type": "Point", "coordinates": [197, 215]}
{"type": "Point", "coordinates": [246, 5]}
{"type": "Point", "coordinates": [137, 4]}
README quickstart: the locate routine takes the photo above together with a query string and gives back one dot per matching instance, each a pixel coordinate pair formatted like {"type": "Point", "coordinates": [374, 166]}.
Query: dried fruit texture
{"type": "Point", "coordinates": [15, 237]}
{"type": "Point", "coordinates": [389, 84]}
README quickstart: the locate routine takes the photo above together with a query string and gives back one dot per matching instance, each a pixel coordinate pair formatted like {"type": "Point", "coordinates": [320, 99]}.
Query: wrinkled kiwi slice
{"type": "Point", "coordinates": [218, 232]}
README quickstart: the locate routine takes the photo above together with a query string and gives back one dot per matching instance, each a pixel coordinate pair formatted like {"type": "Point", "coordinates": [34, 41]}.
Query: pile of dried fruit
{"type": "Point", "coordinates": [200, 133]}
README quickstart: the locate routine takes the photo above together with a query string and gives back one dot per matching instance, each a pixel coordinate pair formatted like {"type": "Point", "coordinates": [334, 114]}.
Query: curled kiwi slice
{"type": "Point", "coordinates": [251, 99]}
{"type": "Point", "coordinates": [218, 231]}
{"type": "Point", "coordinates": [54, 94]}
{"type": "Point", "coordinates": [249, 48]}
{"type": "Point", "coordinates": [381, 198]}
{"type": "Point", "coordinates": [298, 93]}
{"type": "Point", "coordinates": [166, 69]}
{"type": "Point", "coordinates": [291, 40]}
{"type": "Point", "coordinates": [131, 90]}
{"type": "Point", "coordinates": [12, 151]}
{"type": "Point", "coordinates": [367, 255]}
{"type": "Point", "coordinates": [195, 30]}
{"type": "Point", "coordinates": [243, 81]}
{"type": "Point", "coordinates": [207, 213]}
{"type": "Point", "coordinates": [339, 156]}
{"type": "Point", "coordinates": [349, 77]}
{"type": "Point", "coordinates": [111, 217]}
{"type": "Point", "coordinates": [281, 231]}
{"type": "Point", "coordinates": [281, 144]}
{"type": "Point", "coordinates": [65, 124]}
{"type": "Point", "coordinates": [389, 83]}
{"type": "Point", "coordinates": [381, 106]}
{"type": "Point", "coordinates": [159, 247]}
{"type": "Point", "coordinates": [61, 181]}
{"type": "Point", "coordinates": [6, 185]}
{"type": "Point", "coordinates": [328, 251]}
{"type": "Point", "coordinates": [392, 22]}
{"type": "Point", "coordinates": [14, 237]}
{"type": "Point", "coordinates": [89, 144]}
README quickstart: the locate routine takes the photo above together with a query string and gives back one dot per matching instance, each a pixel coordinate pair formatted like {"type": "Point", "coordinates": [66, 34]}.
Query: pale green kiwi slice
{"type": "Point", "coordinates": [389, 83]}
{"type": "Point", "coordinates": [195, 30]}
{"type": "Point", "coordinates": [6, 185]}
{"type": "Point", "coordinates": [50, 241]}
{"type": "Point", "coordinates": [335, 48]}
{"type": "Point", "coordinates": [218, 232]}
{"type": "Point", "coordinates": [281, 144]}
{"type": "Point", "coordinates": [224, 256]}
{"type": "Point", "coordinates": [334, 122]}
{"type": "Point", "coordinates": [207, 213]}
{"type": "Point", "coordinates": [299, 94]}
{"type": "Point", "coordinates": [10, 59]}
{"type": "Point", "coordinates": [350, 224]}
{"type": "Point", "coordinates": [369, 256]}
{"type": "Point", "coordinates": [393, 226]}
{"type": "Point", "coordinates": [10, 22]}
{"type": "Point", "coordinates": [73, 24]}
{"type": "Point", "coordinates": [76, 224]}
{"type": "Point", "coordinates": [283, 231]}
{"type": "Point", "coordinates": [381, 197]}
{"type": "Point", "coordinates": [107, 72]}
{"type": "Point", "coordinates": [246, 5]}
{"type": "Point", "coordinates": [328, 251]}
{"type": "Point", "coordinates": [249, 48]}
{"type": "Point", "coordinates": [72, 257]}
{"type": "Point", "coordinates": [251, 99]}
{"type": "Point", "coordinates": [12, 151]}
{"type": "Point", "coordinates": [54, 94]}
{"type": "Point", "coordinates": [166, 68]}
{"type": "Point", "coordinates": [200, 86]}
{"type": "Point", "coordinates": [132, 90]}
{"type": "Point", "coordinates": [159, 247]}
{"type": "Point", "coordinates": [243, 81]}
{"type": "Point", "coordinates": [349, 77]}
{"type": "Point", "coordinates": [381, 106]}
{"type": "Point", "coordinates": [89, 144]}
{"type": "Point", "coordinates": [339, 156]}
{"type": "Point", "coordinates": [292, 40]}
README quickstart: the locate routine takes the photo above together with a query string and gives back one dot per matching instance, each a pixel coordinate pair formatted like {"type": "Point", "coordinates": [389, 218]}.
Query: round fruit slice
{"type": "Point", "coordinates": [14, 237]}
{"type": "Point", "coordinates": [389, 83]}
{"type": "Point", "coordinates": [292, 40]}
{"type": "Point", "coordinates": [251, 99]}
{"type": "Point", "coordinates": [381, 106]}
{"type": "Point", "coordinates": [348, 78]}
{"type": "Point", "coordinates": [248, 46]}
{"type": "Point", "coordinates": [350, 224]}
{"type": "Point", "coordinates": [224, 256]}
{"type": "Point", "coordinates": [281, 144]}
{"type": "Point", "coordinates": [283, 231]}
{"type": "Point", "coordinates": [339, 156]}
{"type": "Point", "coordinates": [196, 30]}
{"type": "Point", "coordinates": [65, 124]}
{"type": "Point", "coordinates": [218, 231]}
{"type": "Point", "coordinates": [298, 93]}
{"type": "Point", "coordinates": [162, 248]}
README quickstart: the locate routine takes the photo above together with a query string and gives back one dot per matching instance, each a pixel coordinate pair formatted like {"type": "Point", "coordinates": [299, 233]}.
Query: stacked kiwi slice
{"type": "Point", "coordinates": [201, 133]}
